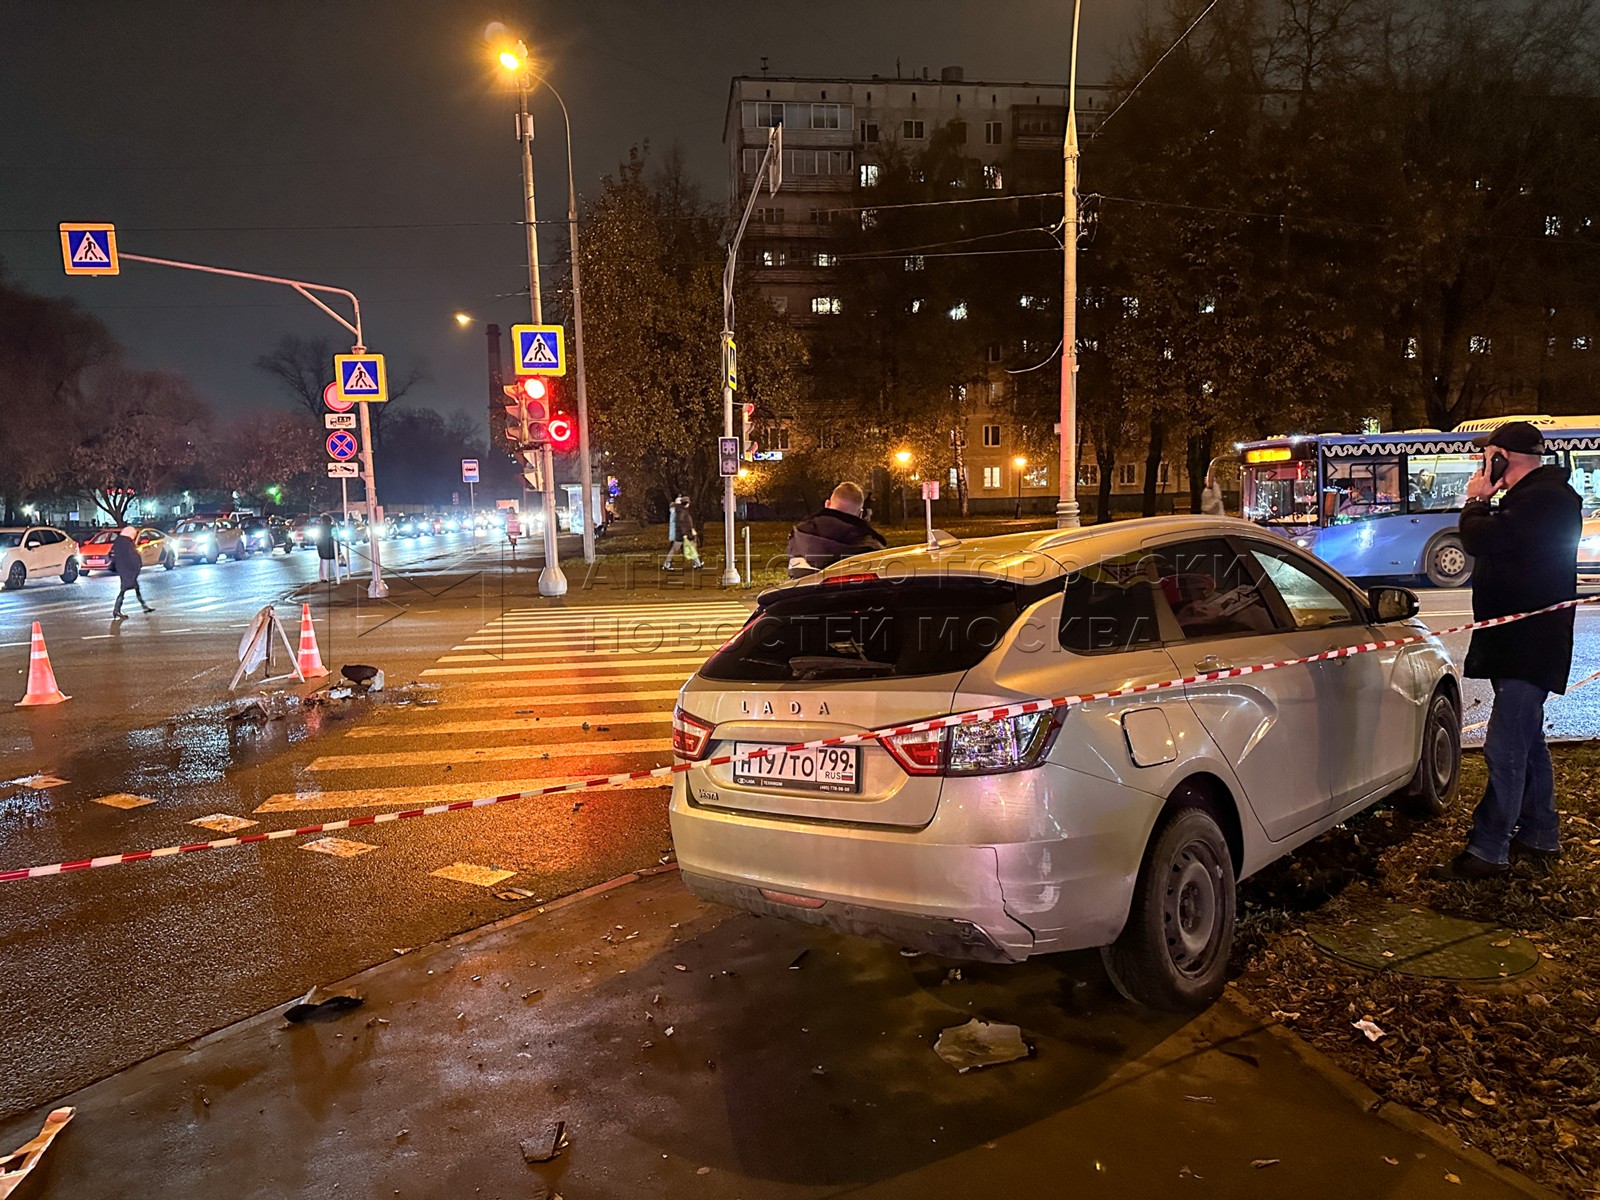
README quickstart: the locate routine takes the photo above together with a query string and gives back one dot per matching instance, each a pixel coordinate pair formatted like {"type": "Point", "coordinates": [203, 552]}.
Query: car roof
{"type": "Point", "coordinates": [1028, 557]}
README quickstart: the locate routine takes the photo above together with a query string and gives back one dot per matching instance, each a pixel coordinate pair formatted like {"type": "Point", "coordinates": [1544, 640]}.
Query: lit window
{"type": "Point", "coordinates": [1208, 304]}
{"type": "Point", "coordinates": [1166, 353]}
{"type": "Point", "coordinates": [958, 311]}
{"type": "Point", "coordinates": [1037, 477]}
{"type": "Point", "coordinates": [825, 306]}
{"type": "Point", "coordinates": [1411, 347]}
{"type": "Point", "coordinates": [991, 436]}
{"type": "Point", "coordinates": [1552, 227]}
{"type": "Point", "coordinates": [915, 262]}
{"type": "Point", "coordinates": [991, 133]}
{"type": "Point", "coordinates": [1089, 345]}
{"type": "Point", "coordinates": [1478, 344]}
{"type": "Point", "coordinates": [771, 258]}
{"type": "Point", "coordinates": [955, 477]}
{"type": "Point", "coordinates": [991, 478]}
{"type": "Point", "coordinates": [1027, 301]}
{"type": "Point", "coordinates": [1130, 306]}
{"type": "Point", "coordinates": [869, 218]}
{"type": "Point", "coordinates": [1582, 342]}
{"type": "Point", "coordinates": [992, 178]}
{"type": "Point", "coordinates": [914, 306]}
{"type": "Point", "coordinates": [912, 130]}
{"type": "Point", "coordinates": [823, 259]}
{"type": "Point", "coordinates": [869, 174]}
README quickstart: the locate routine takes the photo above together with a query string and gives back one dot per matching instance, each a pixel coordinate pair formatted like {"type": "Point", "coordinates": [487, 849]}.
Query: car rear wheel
{"type": "Point", "coordinates": [69, 574]}
{"type": "Point", "coordinates": [170, 562]}
{"type": "Point", "coordinates": [1438, 776]}
{"type": "Point", "coordinates": [16, 577]}
{"type": "Point", "coordinates": [1446, 562]}
{"type": "Point", "coordinates": [1173, 952]}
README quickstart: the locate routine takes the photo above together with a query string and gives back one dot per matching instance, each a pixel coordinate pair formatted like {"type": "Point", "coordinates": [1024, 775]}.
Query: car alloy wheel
{"type": "Point", "coordinates": [69, 574]}
{"type": "Point", "coordinates": [16, 577]}
{"type": "Point", "coordinates": [1438, 776]}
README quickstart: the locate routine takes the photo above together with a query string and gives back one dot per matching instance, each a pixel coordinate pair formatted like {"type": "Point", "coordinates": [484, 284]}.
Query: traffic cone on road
{"type": "Point", "coordinates": [42, 687]}
{"type": "Point", "coordinates": [309, 661]}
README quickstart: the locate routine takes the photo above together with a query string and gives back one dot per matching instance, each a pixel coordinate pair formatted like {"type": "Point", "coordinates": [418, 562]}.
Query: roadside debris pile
{"type": "Point", "coordinates": [1510, 1066]}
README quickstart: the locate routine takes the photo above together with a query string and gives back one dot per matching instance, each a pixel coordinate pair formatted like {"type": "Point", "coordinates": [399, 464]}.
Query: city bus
{"type": "Point", "coordinates": [1385, 505]}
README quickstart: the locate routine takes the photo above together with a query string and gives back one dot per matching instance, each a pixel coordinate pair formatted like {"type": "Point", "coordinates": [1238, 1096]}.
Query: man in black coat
{"type": "Point", "coordinates": [838, 531]}
{"type": "Point", "coordinates": [1526, 558]}
{"type": "Point", "coordinates": [126, 563]}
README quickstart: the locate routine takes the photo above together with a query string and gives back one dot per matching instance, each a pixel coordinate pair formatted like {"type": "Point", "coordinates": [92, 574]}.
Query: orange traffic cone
{"type": "Point", "coordinates": [309, 661]}
{"type": "Point", "coordinates": [42, 687]}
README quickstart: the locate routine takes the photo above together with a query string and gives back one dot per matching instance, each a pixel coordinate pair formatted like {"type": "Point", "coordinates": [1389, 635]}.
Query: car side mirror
{"type": "Point", "coordinates": [1388, 604]}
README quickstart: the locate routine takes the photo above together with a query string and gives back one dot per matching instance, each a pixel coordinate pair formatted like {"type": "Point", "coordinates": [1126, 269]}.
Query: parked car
{"type": "Point", "coordinates": [1121, 823]}
{"type": "Point", "coordinates": [34, 551]}
{"type": "Point", "coordinates": [95, 554]}
{"type": "Point", "coordinates": [207, 539]}
{"type": "Point", "coordinates": [302, 531]}
{"type": "Point", "coordinates": [266, 534]}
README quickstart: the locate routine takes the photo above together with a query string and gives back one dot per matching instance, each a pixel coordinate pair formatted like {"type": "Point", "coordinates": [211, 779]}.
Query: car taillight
{"type": "Point", "coordinates": [690, 735]}
{"type": "Point", "coordinates": [976, 747]}
{"type": "Point", "coordinates": [862, 577]}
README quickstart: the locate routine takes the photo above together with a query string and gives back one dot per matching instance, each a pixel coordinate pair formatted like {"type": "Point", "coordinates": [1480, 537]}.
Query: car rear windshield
{"type": "Point", "coordinates": [900, 628]}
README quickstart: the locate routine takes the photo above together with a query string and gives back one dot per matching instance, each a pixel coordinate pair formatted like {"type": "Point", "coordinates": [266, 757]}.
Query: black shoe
{"type": "Point", "coordinates": [149, 608]}
{"type": "Point", "coordinates": [1469, 867]}
{"type": "Point", "coordinates": [1532, 855]}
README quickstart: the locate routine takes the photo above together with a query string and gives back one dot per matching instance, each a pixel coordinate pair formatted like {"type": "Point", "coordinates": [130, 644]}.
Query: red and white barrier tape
{"type": "Point", "coordinates": [999, 712]}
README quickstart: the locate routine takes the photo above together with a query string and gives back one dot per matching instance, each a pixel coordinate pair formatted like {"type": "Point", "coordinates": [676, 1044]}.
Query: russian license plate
{"type": "Point", "coordinates": [826, 769]}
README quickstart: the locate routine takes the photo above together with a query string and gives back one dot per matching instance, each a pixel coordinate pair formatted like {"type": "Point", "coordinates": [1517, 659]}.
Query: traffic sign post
{"type": "Point", "coordinates": [730, 364]}
{"type": "Point", "coordinates": [344, 470]}
{"type": "Point", "coordinates": [339, 420]}
{"type": "Point", "coordinates": [469, 470]}
{"type": "Point", "coordinates": [89, 249]}
{"type": "Point", "coordinates": [728, 457]}
{"type": "Point", "coordinates": [330, 397]}
{"type": "Point", "coordinates": [540, 349]}
{"type": "Point", "coordinates": [341, 446]}
{"type": "Point", "coordinates": [930, 493]}
{"type": "Point", "coordinates": [361, 378]}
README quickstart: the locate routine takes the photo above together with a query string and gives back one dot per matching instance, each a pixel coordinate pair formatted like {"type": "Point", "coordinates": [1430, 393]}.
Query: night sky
{"type": "Point", "coordinates": [370, 144]}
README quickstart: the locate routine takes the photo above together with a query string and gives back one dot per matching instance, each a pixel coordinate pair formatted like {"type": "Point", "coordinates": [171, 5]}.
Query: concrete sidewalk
{"type": "Point", "coordinates": [697, 1052]}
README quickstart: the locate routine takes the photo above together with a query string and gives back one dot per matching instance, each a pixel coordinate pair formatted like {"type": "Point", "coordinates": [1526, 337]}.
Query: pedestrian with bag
{"type": "Point", "coordinates": [681, 534]}
{"type": "Point", "coordinates": [1525, 552]}
{"type": "Point", "coordinates": [126, 563]}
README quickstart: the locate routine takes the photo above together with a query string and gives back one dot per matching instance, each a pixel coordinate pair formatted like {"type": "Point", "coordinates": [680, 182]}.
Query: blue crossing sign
{"type": "Point", "coordinates": [89, 249]}
{"type": "Point", "coordinates": [361, 377]}
{"type": "Point", "coordinates": [541, 349]}
{"type": "Point", "coordinates": [341, 445]}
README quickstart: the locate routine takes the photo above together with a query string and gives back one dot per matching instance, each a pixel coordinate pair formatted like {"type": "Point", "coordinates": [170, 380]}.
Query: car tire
{"type": "Point", "coordinates": [213, 556]}
{"type": "Point", "coordinates": [1173, 952]}
{"type": "Point", "coordinates": [170, 562]}
{"type": "Point", "coordinates": [1433, 787]}
{"type": "Point", "coordinates": [1446, 562]}
{"type": "Point", "coordinates": [16, 577]}
{"type": "Point", "coordinates": [69, 573]}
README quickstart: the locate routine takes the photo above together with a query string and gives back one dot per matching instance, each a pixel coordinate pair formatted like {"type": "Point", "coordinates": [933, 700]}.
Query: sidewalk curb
{"type": "Point", "coordinates": [1401, 1117]}
{"type": "Point", "coordinates": [274, 1014]}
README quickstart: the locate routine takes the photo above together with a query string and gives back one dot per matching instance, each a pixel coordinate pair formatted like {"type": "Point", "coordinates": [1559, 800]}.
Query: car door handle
{"type": "Point", "coordinates": [1212, 663]}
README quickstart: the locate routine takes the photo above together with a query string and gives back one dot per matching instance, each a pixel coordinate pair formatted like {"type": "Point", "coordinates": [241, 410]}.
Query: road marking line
{"type": "Point", "coordinates": [530, 670]}
{"type": "Point", "coordinates": [598, 609]}
{"type": "Point", "coordinates": [462, 872]}
{"type": "Point", "coordinates": [223, 823]}
{"type": "Point", "coordinates": [527, 699]}
{"type": "Point", "coordinates": [123, 800]}
{"type": "Point", "coordinates": [466, 755]}
{"type": "Point", "coordinates": [406, 797]}
{"type": "Point", "coordinates": [533, 657]}
{"type": "Point", "coordinates": [522, 724]}
{"type": "Point", "coordinates": [94, 637]}
{"type": "Point", "coordinates": [338, 847]}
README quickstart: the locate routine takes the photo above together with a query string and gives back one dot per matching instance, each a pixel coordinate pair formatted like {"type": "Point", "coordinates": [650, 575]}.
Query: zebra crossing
{"type": "Point", "coordinates": [533, 697]}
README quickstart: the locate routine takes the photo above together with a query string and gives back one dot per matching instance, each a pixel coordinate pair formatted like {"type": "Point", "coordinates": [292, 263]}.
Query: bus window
{"type": "Point", "coordinates": [1586, 479]}
{"type": "Point", "coordinates": [1365, 488]}
{"type": "Point", "coordinates": [1280, 493]}
{"type": "Point", "coordinates": [1438, 482]}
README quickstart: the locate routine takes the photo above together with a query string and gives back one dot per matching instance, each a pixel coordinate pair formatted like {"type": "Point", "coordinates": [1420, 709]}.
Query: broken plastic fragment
{"type": "Point", "coordinates": [980, 1044]}
{"type": "Point", "coordinates": [1369, 1027]}
{"type": "Point", "coordinates": [318, 1004]}
{"type": "Point", "coordinates": [16, 1166]}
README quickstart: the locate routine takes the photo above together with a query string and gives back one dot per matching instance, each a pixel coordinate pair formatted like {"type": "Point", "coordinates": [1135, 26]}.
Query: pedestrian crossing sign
{"type": "Point", "coordinates": [89, 249]}
{"type": "Point", "coordinates": [541, 350]}
{"type": "Point", "coordinates": [361, 377]}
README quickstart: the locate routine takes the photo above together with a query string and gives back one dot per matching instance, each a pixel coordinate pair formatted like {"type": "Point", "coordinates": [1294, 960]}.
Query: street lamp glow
{"type": "Point", "coordinates": [1019, 462]}
{"type": "Point", "coordinates": [510, 61]}
{"type": "Point", "coordinates": [463, 320]}
{"type": "Point", "coordinates": [902, 457]}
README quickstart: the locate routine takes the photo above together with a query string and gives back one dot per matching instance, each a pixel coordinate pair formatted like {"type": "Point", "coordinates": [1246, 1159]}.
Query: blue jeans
{"type": "Point", "coordinates": [1520, 799]}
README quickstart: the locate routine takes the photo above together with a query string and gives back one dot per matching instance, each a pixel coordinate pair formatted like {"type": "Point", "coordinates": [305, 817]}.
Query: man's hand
{"type": "Point", "coordinates": [1479, 487]}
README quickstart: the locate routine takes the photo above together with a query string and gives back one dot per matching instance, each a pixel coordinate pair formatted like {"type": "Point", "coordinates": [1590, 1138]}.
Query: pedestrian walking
{"type": "Point", "coordinates": [1211, 504]}
{"type": "Point", "coordinates": [126, 563]}
{"type": "Point", "coordinates": [680, 530]}
{"type": "Point", "coordinates": [1525, 552]}
{"type": "Point", "coordinates": [327, 550]}
{"type": "Point", "coordinates": [838, 531]}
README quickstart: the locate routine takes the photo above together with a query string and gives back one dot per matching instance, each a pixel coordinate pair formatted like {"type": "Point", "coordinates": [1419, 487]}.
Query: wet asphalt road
{"type": "Point", "coordinates": [106, 967]}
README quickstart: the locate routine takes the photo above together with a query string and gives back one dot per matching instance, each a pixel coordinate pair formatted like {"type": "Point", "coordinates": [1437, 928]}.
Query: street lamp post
{"type": "Point", "coordinates": [1019, 463]}
{"type": "Point", "coordinates": [902, 459]}
{"type": "Point", "coordinates": [551, 580]}
{"type": "Point", "coordinates": [1067, 505]}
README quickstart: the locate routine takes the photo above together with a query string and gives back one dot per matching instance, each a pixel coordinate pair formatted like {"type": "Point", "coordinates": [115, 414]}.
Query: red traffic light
{"type": "Point", "coordinates": [563, 433]}
{"type": "Point", "coordinates": [533, 387]}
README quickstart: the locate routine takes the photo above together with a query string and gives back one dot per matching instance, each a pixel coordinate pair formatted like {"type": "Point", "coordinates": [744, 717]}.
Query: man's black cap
{"type": "Point", "coordinates": [1519, 437]}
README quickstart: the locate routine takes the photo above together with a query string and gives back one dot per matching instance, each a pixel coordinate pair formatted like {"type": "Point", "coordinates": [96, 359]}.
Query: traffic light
{"type": "Point", "coordinates": [563, 432]}
{"type": "Point", "coordinates": [528, 414]}
{"type": "Point", "coordinates": [747, 413]}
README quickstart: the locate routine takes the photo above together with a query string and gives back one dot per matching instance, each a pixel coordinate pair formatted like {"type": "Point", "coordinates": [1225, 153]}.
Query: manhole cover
{"type": "Point", "coordinates": [1415, 941]}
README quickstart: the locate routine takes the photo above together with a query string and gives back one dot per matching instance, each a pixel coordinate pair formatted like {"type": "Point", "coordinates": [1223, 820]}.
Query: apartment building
{"type": "Point", "coordinates": [837, 133]}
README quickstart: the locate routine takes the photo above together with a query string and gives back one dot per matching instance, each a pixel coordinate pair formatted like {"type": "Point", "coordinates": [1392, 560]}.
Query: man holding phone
{"type": "Point", "coordinates": [1526, 557]}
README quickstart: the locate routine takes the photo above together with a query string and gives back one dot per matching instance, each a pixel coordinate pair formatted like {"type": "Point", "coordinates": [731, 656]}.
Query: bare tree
{"type": "Point", "coordinates": [303, 367]}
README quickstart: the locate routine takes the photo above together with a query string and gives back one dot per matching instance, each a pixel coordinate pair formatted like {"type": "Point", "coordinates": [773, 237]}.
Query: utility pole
{"type": "Point", "coordinates": [1067, 506]}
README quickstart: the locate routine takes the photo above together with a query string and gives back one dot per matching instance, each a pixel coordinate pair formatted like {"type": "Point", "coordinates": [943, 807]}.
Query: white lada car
{"type": "Point", "coordinates": [1123, 823]}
